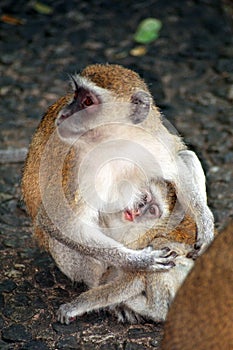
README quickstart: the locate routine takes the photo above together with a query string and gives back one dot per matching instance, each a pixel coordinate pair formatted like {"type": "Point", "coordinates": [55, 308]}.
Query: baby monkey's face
{"type": "Point", "coordinates": [145, 209]}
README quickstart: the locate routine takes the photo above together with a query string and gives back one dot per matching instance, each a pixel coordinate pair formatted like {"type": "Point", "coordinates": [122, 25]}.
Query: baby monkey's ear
{"type": "Point", "coordinates": [141, 102]}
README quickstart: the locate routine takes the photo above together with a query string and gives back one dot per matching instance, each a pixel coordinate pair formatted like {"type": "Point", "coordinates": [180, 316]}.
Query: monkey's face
{"type": "Point", "coordinates": [93, 106]}
{"type": "Point", "coordinates": [152, 206]}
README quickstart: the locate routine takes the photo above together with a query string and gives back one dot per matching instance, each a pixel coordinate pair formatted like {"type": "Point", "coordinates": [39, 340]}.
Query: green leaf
{"type": "Point", "coordinates": [42, 8]}
{"type": "Point", "coordinates": [148, 31]}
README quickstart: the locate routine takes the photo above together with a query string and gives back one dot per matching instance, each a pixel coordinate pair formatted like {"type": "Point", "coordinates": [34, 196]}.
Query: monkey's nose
{"type": "Point", "coordinates": [131, 214]}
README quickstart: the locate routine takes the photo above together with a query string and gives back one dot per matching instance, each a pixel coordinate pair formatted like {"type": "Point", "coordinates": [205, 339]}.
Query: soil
{"type": "Point", "coordinates": [189, 69]}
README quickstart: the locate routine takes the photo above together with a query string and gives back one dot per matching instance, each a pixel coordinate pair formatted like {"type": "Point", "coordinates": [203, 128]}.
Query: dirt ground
{"type": "Point", "coordinates": [190, 72]}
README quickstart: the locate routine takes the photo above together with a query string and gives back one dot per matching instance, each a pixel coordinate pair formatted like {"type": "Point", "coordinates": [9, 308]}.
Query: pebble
{"type": "Point", "coordinates": [6, 346]}
{"type": "Point", "coordinates": [134, 346]}
{"type": "Point", "coordinates": [2, 302]}
{"type": "Point", "coordinates": [7, 286]}
{"type": "Point", "coordinates": [45, 279]}
{"type": "Point", "coordinates": [230, 93]}
{"type": "Point", "coordinates": [15, 333]}
{"type": "Point", "coordinates": [109, 347]}
{"type": "Point", "coordinates": [69, 342]}
{"type": "Point", "coordinates": [73, 327]}
{"type": "Point", "coordinates": [35, 345]}
{"type": "Point", "coordinates": [2, 323]}
{"type": "Point", "coordinates": [18, 313]}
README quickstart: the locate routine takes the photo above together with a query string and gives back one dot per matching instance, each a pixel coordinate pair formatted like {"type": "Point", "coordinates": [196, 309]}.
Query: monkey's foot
{"type": "Point", "coordinates": [154, 260]}
{"type": "Point", "coordinates": [67, 313]}
{"type": "Point", "coordinates": [126, 315]}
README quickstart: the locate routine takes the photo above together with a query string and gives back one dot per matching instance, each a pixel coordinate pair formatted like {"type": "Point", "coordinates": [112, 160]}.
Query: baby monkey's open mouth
{"type": "Point", "coordinates": [146, 207]}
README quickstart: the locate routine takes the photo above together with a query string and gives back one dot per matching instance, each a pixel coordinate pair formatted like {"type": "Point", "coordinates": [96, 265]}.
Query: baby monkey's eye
{"type": "Point", "coordinates": [155, 211]}
{"type": "Point", "coordinates": [152, 210]}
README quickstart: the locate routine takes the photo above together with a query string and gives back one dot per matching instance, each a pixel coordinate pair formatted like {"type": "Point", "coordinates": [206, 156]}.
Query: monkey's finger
{"type": "Point", "coordinates": [65, 314]}
{"type": "Point", "coordinates": [168, 253]}
{"type": "Point", "coordinates": [163, 266]}
{"type": "Point", "coordinates": [197, 246]}
{"type": "Point", "coordinates": [193, 254]}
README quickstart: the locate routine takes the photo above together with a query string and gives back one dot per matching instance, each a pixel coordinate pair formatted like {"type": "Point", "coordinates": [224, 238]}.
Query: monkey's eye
{"type": "Point", "coordinates": [87, 102]}
{"type": "Point", "coordinates": [155, 211]}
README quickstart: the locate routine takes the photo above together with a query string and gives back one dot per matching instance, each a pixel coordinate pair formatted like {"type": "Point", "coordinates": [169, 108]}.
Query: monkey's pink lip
{"type": "Point", "coordinates": [130, 214]}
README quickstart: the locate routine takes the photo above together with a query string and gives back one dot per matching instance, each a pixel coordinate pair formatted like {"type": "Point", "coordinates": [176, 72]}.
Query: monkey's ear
{"type": "Point", "coordinates": [141, 101]}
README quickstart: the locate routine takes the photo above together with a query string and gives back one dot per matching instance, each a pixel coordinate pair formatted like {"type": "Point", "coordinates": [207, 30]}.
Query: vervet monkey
{"type": "Point", "coordinates": [201, 316]}
{"type": "Point", "coordinates": [90, 154]}
{"type": "Point", "coordinates": [135, 296]}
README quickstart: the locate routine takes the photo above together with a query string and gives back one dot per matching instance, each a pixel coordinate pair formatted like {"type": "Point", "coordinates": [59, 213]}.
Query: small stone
{"type": "Point", "coordinates": [22, 300]}
{"type": "Point", "coordinates": [11, 243]}
{"type": "Point", "coordinates": [45, 279]}
{"type": "Point", "coordinates": [15, 333]}
{"type": "Point", "coordinates": [35, 345]}
{"type": "Point", "coordinates": [7, 286]}
{"type": "Point", "coordinates": [14, 273]}
{"type": "Point", "coordinates": [5, 346]}
{"type": "Point", "coordinates": [18, 314]}
{"type": "Point", "coordinates": [2, 323]}
{"type": "Point", "coordinates": [69, 342]}
{"type": "Point", "coordinates": [214, 169]}
{"type": "Point", "coordinates": [39, 303]}
{"type": "Point", "coordinates": [230, 93]}
{"type": "Point", "coordinates": [67, 329]}
{"type": "Point", "coordinates": [2, 302]}
{"type": "Point", "coordinates": [109, 347]}
{"type": "Point", "coordinates": [154, 342]}
{"type": "Point", "coordinates": [7, 59]}
{"type": "Point", "coordinates": [134, 346]}
{"type": "Point", "coordinates": [25, 287]}
{"type": "Point", "coordinates": [138, 51]}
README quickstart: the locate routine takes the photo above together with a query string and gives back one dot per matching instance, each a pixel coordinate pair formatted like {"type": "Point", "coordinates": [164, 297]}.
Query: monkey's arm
{"type": "Point", "coordinates": [191, 193]}
{"type": "Point", "coordinates": [91, 241]}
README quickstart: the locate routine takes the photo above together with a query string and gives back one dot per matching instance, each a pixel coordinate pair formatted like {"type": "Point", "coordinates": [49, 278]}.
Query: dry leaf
{"type": "Point", "coordinates": [12, 20]}
{"type": "Point", "coordinates": [138, 51]}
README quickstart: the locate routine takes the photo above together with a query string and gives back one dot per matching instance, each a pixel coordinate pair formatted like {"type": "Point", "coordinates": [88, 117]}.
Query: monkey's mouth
{"type": "Point", "coordinates": [130, 215]}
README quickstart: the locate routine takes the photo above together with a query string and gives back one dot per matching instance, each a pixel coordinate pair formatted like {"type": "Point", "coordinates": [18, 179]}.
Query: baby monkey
{"type": "Point", "coordinates": [138, 296]}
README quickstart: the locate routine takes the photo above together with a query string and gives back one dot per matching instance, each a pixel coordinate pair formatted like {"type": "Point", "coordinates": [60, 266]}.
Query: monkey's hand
{"type": "Point", "coordinates": [67, 313]}
{"type": "Point", "coordinates": [112, 252]}
{"type": "Point", "coordinates": [151, 260]}
{"type": "Point", "coordinates": [191, 192]}
{"type": "Point", "coordinates": [205, 234]}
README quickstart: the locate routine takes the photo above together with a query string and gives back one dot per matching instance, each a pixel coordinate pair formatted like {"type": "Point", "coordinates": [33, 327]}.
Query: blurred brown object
{"type": "Point", "coordinates": [201, 316]}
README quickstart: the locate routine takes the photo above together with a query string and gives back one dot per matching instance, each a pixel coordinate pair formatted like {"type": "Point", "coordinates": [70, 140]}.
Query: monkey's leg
{"type": "Point", "coordinates": [191, 192]}
{"type": "Point", "coordinates": [92, 242]}
{"type": "Point", "coordinates": [116, 292]}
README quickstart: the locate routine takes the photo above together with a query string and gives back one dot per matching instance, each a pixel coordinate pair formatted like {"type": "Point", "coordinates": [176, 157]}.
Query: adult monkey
{"type": "Point", "coordinates": [110, 109]}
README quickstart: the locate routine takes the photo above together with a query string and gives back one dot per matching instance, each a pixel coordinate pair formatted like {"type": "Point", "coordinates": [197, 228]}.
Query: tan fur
{"type": "Point", "coordinates": [123, 82]}
{"type": "Point", "coordinates": [185, 232]}
{"type": "Point", "coordinates": [201, 316]}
